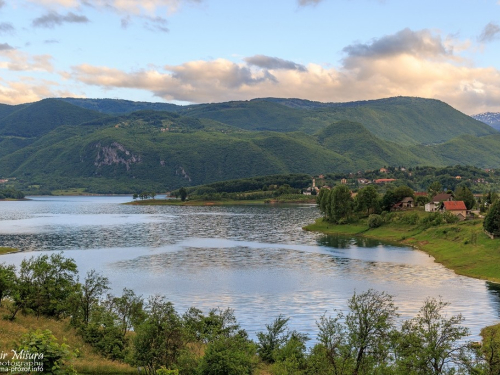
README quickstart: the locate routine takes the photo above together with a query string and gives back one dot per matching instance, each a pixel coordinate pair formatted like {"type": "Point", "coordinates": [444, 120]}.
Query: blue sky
{"type": "Point", "coordinates": [193, 51]}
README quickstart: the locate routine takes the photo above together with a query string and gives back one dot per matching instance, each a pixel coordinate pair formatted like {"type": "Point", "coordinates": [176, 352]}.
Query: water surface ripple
{"type": "Point", "coordinates": [256, 260]}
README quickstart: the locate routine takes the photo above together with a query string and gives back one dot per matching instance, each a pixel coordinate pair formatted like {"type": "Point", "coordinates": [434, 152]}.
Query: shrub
{"type": "Point", "coordinates": [410, 219]}
{"type": "Point", "coordinates": [54, 356]}
{"type": "Point", "coordinates": [375, 221]}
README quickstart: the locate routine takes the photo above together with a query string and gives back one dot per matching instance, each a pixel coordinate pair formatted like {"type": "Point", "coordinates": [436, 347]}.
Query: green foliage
{"type": "Point", "coordinates": [11, 193]}
{"type": "Point", "coordinates": [233, 355]}
{"type": "Point", "coordinates": [367, 199]}
{"type": "Point", "coordinates": [160, 338]}
{"type": "Point", "coordinates": [410, 218]}
{"type": "Point", "coordinates": [491, 221]}
{"type": "Point", "coordinates": [218, 323]}
{"type": "Point", "coordinates": [8, 280]}
{"type": "Point", "coordinates": [54, 357]}
{"type": "Point", "coordinates": [375, 221]}
{"type": "Point", "coordinates": [430, 343]}
{"type": "Point", "coordinates": [183, 194]}
{"type": "Point", "coordinates": [463, 193]}
{"type": "Point", "coordinates": [340, 204]}
{"type": "Point", "coordinates": [44, 285]}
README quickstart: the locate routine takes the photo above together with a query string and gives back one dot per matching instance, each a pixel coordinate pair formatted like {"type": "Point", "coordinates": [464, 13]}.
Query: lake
{"type": "Point", "coordinates": [256, 260]}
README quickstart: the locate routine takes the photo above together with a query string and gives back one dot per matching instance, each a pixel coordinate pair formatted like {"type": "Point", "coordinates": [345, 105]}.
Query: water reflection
{"type": "Point", "coordinates": [257, 260]}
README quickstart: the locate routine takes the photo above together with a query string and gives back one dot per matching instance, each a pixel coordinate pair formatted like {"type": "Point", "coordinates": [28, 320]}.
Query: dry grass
{"type": "Point", "coordinates": [87, 362]}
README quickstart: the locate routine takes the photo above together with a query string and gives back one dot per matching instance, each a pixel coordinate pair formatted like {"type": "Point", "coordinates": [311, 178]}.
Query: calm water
{"type": "Point", "coordinates": [256, 260]}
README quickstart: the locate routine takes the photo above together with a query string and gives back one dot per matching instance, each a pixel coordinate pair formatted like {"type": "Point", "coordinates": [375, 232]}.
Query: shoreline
{"type": "Point", "coordinates": [231, 202]}
{"type": "Point", "coordinates": [461, 247]}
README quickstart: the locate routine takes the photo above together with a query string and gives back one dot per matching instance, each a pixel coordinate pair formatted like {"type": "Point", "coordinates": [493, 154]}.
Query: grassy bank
{"type": "Point", "coordinates": [87, 362]}
{"type": "Point", "coordinates": [6, 250]}
{"type": "Point", "coordinates": [462, 247]}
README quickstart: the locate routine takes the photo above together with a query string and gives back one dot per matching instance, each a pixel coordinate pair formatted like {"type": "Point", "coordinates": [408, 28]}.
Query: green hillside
{"type": "Point", "coordinates": [119, 106]}
{"type": "Point", "coordinates": [43, 116]}
{"type": "Point", "coordinates": [55, 145]}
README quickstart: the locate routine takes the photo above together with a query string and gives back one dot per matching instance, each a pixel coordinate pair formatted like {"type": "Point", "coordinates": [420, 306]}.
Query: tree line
{"type": "Point", "coordinates": [149, 333]}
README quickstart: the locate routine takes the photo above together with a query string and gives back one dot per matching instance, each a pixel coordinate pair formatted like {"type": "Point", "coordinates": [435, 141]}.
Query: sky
{"type": "Point", "coordinates": [200, 51]}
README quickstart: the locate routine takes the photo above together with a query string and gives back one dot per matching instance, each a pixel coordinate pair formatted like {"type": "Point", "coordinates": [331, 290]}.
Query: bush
{"type": "Point", "coordinates": [54, 356]}
{"type": "Point", "coordinates": [410, 219]}
{"type": "Point", "coordinates": [375, 221]}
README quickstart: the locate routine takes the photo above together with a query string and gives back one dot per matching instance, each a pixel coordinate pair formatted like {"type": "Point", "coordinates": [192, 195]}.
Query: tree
{"type": "Point", "coordinates": [160, 339]}
{"type": "Point", "coordinates": [402, 192]}
{"type": "Point", "coordinates": [44, 285]}
{"type": "Point", "coordinates": [322, 199]}
{"type": "Point", "coordinates": [463, 193]}
{"type": "Point", "coordinates": [358, 342]}
{"type": "Point", "coordinates": [183, 193]}
{"type": "Point", "coordinates": [88, 297]}
{"type": "Point", "coordinates": [7, 280]}
{"type": "Point", "coordinates": [491, 221]}
{"type": "Point", "coordinates": [388, 200]}
{"type": "Point", "coordinates": [367, 199]}
{"type": "Point", "coordinates": [276, 336]}
{"type": "Point", "coordinates": [434, 189]}
{"type": "Point", "coordinates": [430, 343]}
{"type": "Point", "coordinates": [340, 204]}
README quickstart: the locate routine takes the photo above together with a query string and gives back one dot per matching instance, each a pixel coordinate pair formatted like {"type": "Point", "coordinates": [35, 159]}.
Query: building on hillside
{"type": "Point", "coordinates": [384, 180]}
{"type": "Point", "coordinates": [457, 208]}
{"type": "Point", "coordinates": [383, 170]}
{"type": "Point", "coordinates": [343, 181]}
{"type": "Point", "coordinates": [363, 181]}
{"type": "Point", "coordinates": [435, 203]}
{"type": "Point", "coordinates": [407, 202]}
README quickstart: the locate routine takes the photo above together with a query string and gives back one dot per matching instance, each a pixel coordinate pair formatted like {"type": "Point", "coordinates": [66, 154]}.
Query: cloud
{"type": "Point", "coordinates": [127, 7]}
{"type": "Point", "coordinates": [417, 43]}
{"type": "Point", "coordinates": [427, 67]}
{"type": "Point", "coordinates": [309, 2]}
{"type": "Point", "coordinates": [5, 47]}
{"type": "Point", "coordinates": [490, 33]}
{"type": "Point", "coordinates": [267, 62]}
{"type": "Point", "coordinates": [156, 24]}
{"type": "Point", "coordinates": [53, 18]}
{"type": "Point", "coordinates": [28, 90]}
{"type": "Point", "coordinates": [2, 3]}
{"type": "Point", "coordinates": [6, 28]}
{"type": "Point", "coordinates": [15, 60]}
{"type": "Point", "coordinates": [51, 41]}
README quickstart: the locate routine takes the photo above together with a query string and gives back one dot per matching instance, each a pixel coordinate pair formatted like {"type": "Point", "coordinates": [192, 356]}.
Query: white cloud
{"type": "Point", "coordinates": [15, 60]}
{"type": "Point", "coordinates": [131, 7]}
{"type": "Point", "coordinates": [416, 64]}
{"type": "Point", "coordinates": [28, 90]}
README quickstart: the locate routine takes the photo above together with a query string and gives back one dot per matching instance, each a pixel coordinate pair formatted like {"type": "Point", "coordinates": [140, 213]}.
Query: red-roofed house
{"type": "Point", "coordinates": [384, 180]}
{"type": "Point", "coordinates": [457, 208]}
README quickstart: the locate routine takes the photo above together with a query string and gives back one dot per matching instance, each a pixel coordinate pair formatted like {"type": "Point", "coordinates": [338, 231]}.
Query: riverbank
{"type": "Point", "coordinates": [462, 247]}
{"type": "Point", "coordinates": [7, 250]}
{"type": "Point", "coordinates": [225, 202]}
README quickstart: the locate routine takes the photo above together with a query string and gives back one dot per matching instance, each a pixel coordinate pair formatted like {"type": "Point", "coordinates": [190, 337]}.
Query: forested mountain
{"type": "Point", "coordinates": [53, 144]}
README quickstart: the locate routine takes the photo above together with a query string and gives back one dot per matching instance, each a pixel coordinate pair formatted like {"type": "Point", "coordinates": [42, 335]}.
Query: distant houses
{"type": "Point", "coordinates": [435, 203]}
{"type": "Point", "coordinates": [457, 208]}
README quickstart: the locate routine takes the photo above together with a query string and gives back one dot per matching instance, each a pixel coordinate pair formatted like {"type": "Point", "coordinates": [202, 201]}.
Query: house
{"type": "Point", "coordinates": [407, 202]}
{"type": "Point", "coordinates": [435, 202]}
{"type": "Point", "coordinates": [383, 170]}
{"type": "Point", "coordinates": [457, 208]}
{"type": "Point", "coordinates": [384, 180]}
{"type": "Point", "coordinates": [343, 181]}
